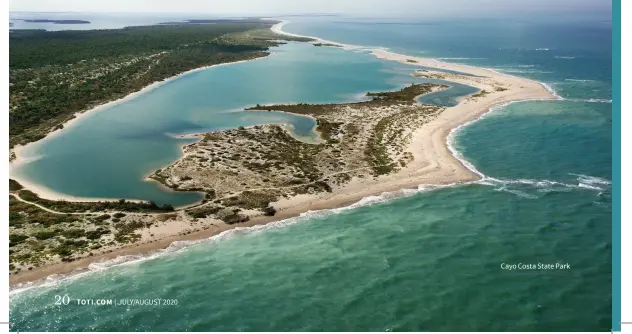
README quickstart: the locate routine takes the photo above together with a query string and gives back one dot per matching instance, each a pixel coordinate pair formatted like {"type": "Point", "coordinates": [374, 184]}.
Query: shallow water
{"type": "Point", "coordinates": [107, 154]}
{"type": "Point", "coordinates": [429, 261]}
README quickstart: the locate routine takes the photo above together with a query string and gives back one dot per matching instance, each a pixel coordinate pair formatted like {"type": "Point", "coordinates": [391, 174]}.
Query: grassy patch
{"type": "Point", "coordinates": [203, 212]}
{"type": "Point", "coordinates": [120, 205]}
{"type": "Point", "coordinates": [251, 199]}
{"type": "Point", "coordinates": [480, 94]}
{"type": "Point", "coordinates": [406, 95]}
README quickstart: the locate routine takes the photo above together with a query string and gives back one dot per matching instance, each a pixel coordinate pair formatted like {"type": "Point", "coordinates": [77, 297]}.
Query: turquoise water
{"type": "Point", "coordinates": [429, 261]}
{"type": "Point", "coordinates": [109, 153]}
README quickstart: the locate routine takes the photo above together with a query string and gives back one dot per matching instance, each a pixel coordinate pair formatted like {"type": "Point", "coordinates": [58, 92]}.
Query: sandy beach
{"type": "Point", "coordinates": [47, 193]}
{"type": "Point", "coordinates": [278, 28]}
{"type": "Point", "coordinates": [434, 164]}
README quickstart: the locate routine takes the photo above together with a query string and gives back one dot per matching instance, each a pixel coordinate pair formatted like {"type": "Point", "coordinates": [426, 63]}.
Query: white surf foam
{"type": "Point", "coordinates": [551, 90]}
{"type": "Point", "coordinates": [486, 180]}
{"type": "Point", "coordinates": [554, 93]}
{"type": "Point", "coordinates": [591, 180]}
{"type": "Point", "coordinates": [588, 186]}
{"type": "Point", "coordinates": [178, 246]}
{"type": "Point", "coordinates": [580, 80]}
{"type": "Point", "coordinates": [453, 133]}
{"type": "Point", "coordinates": [590, 100]}
{"type": "Point", "coordinates": [584, 182]}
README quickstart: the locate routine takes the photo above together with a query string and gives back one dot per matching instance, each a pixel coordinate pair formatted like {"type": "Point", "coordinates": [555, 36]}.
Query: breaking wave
{"type": "Point", "coordinates": [590, 100]}
{"type": "Point", "coordinates": [551, 90]}
{"type": "Point", "coordinates": [178, 246]}
{"type": "Point", "coordinates": [583, 182]}
{"type": "Point", "coordinates": [542, 186]}
{"type": "Point", "coordinates": [592, 182]}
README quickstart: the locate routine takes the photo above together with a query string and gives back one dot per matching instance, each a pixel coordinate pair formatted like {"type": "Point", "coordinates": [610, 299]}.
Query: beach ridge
{"type": "Point", "coordinates": [434, 163]}
{"type": "Point", "coordinates": [47, 193]}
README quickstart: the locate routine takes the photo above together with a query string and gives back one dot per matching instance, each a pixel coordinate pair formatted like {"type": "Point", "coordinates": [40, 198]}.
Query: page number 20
{"type": "Point", "coordinates": [59, 300]}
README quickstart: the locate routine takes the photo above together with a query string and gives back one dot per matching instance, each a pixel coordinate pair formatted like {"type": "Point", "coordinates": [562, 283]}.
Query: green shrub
{"type": "Point", "coordinates": [28, 195]}
{"type": "Point", "coordinates": [73, 233]}
{"type": "Point", "coordinates": [44, 235]}
{"type": "Point", "coordinates": [14, 185]}
{"type": "Point", "coordinates": [204, 212]}
{"type": "Point", "coordinates": [103, 217]}
{"type": "Point", "coordinates": [96, 234]}
{"type": "Point", "coordinates": [15, 239]}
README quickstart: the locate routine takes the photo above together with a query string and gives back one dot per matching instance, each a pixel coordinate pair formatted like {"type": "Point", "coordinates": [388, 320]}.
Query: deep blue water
{"type": "Point", "coordinates": [427, 262]}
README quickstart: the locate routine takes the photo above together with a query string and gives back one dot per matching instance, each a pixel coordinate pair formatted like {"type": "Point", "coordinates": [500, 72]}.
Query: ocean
{"type": "Point", "coordinates": [18, 20]}
{"type": "Point", "coordinates": [435, 259]}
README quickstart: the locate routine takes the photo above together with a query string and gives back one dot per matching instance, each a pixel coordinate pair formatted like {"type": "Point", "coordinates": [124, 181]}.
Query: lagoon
{"type": "Point", "coordinates": [404, 264]}
{"type": "Point", "coordinates": [110, 152]}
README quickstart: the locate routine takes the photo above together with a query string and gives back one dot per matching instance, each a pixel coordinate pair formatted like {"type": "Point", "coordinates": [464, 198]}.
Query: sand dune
{"type": "Point", "coordinates": [434, 162]}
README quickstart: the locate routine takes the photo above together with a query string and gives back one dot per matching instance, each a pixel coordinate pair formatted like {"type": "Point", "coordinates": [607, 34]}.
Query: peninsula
{"type": "Point", "coordinates": [250, 168]}
{"type": "Point", "coordinates": [52, 78]}
{"type": "Point", "coordinates": [261, 174]}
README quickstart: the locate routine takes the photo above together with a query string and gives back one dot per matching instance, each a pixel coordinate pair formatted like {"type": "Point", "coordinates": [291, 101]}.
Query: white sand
{"type": "Point", "coordinates": [434, 165]}
{"type": "Point", "coordinates": [47, 193]}
{"type": "Point", "coordinates": [434, 162]}
{"type": "Point", "coordinates": [278, 28]}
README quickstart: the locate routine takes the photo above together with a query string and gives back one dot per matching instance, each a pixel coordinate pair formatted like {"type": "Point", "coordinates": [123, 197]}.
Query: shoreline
{"type": "Point", "coordinates": [197, 136]}
{"type": "Point", "coordinates": [437, 163]}
{"type": "Point", "coordinates": [49, 194]}
{"type": "Point", "coordinates": [42, 275]}
{"type": "Point", "coordinates": [278, 29]}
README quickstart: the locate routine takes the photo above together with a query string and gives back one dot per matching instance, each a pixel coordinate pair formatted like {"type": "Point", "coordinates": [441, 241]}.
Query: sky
{"type": "Point", "coordinates": [346, 7]}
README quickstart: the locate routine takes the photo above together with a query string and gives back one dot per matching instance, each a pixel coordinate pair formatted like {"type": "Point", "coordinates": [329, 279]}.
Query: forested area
{"type": "Point", "coordinates": [54, 74]}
